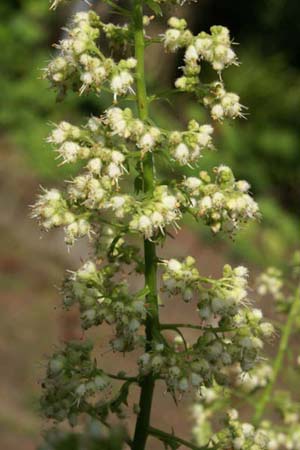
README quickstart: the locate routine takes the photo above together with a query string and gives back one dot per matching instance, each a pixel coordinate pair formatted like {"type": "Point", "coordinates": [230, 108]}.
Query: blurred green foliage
{"type": "Point", "coordinates": [263, 149]}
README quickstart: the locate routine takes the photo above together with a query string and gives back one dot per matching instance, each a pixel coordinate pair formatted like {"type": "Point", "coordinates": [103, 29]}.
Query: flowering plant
{"type": "Point", "coordinates": [117, 213]}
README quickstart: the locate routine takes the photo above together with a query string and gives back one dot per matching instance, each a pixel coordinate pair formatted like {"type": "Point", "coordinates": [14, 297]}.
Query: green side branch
{"type": "Point", "coordinates": [278, 362]}
{"type": "Point", "coordinates": [172, 440]}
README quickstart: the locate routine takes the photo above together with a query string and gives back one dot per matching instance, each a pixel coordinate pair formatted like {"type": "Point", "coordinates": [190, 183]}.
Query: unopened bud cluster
{"type": "Point", "coordinates": [93, 434]}
{"type": "Point", "coordinates": [257, 378]}
{"type": "Point", "coordinates": [71, 383]}
{"type": "Point", "coordinates": [101, 299]}
{"type": "Point", "coordinates": [233, 336]}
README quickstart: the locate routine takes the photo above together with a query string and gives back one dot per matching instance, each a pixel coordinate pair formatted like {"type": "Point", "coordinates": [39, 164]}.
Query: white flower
{"type": "Point", "coordinates": [117, 157]}
{"type": "Point", "coordinates": [171, 39]}
{"type": "Point", "coordinates": [205, 203]}
{"type": "Point", "coordinates": [191, 56]}
{"type": "Point", "coordinates": [192, 183]}
{"type": "Point", "coordinates": [69, 151]}
{"type": "Point", "coordinates": [174, 265]}
{"type": "Point", "coordinates": [169, 201]}
{"type": "Point", "coordinates": [146, 142]}
{"type": "Point", "coordinates": [217, 112]}
{"type": "Point", "coordinates": [113, 170]}
{"type": "Point", "coordinates": [94, 165]}
{"type": "Point", "coordinates": [145, 225]}
{"type": "Point", "coordinates": [157, 219]}
{"type": "Point", "coordinates": [181, 153]}
{"type": "Point", "coordinates": [121, 83]}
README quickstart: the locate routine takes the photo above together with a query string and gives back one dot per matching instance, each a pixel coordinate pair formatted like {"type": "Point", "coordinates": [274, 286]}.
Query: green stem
{"type": "Point", "coordinates": [152, 321]}
{"type": "Point", "coordinates": [283, 346]}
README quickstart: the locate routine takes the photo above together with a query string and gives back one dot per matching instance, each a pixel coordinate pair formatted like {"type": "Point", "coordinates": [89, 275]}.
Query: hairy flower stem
{"type": "Point", "coordinates": [152, 322]}
{"type": "Point", "coordinates": [278, 362]}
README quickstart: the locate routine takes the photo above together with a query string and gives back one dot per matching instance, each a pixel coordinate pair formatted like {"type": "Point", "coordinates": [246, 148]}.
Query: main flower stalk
{"type": "Point", "coordinates": [152, 321]}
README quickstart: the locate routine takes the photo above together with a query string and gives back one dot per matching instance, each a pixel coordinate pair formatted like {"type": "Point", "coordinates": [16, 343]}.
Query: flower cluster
{"type": "Point", "coordinates": [257, 378]}
{"type": "Point", "coordinates": [154, 214]}
{"type": "Point", "coordinates": [100, 299]}
{"type": "Point", "coordinates": [240, 436]}
{"type": "Point", "coordinates": [222, 304]}
{"type": "Point", "coordinates": [224, 204]}
{"type": "Point", "coordinates": [181, 277]}
{"type": "Point", "coordinates": [94, 435]}
{"type": "Point", "coordinates": [82, 66]}
{"type": "Point", "coordinates": [52, 210]}
{"type": "Point", "coordinates": [222, 104]}
{"type": "Point", "coordinates": [185, 147]}
{"type": "Point", "coordinates": [122, 123]}
{"type": "Point", "coordinates": [270, 282]}
{"type": "Point", "coordinates": [287, 407]}
{"type": "Point", "coordinates": [72, 380]}
{"type": "Point", "coordinates": [205, 361]}
{"type": "Point", "coordinates": [201, 430]}
{"type": "Point", "coordinates": [221, 301]}
{"type": "Point", "coordinates": [214, 48]}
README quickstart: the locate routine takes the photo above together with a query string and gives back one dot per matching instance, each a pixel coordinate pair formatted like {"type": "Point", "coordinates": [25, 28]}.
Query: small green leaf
{"type": "Point", "coordinates": [154, 7]}
{"type": "Point", "coordinates": [143, 292]}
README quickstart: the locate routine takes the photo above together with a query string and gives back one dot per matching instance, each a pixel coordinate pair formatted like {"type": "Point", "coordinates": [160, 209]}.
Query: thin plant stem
{"type": "Point", "coordinates": [171, 438]}
{"type": "Point", "coordinates": [278, 362]}
{"type": "Point", "coordinates": [152, 321]}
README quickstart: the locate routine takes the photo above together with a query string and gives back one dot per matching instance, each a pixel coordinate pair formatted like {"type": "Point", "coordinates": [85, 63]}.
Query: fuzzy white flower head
{"type": "Point", "coordinates": [87, 270]}
{"type": "Point", "coordinates": [69, 151]}
{"type": "Point", "coordinates": [243, 185]}
{"type": "Point", "coordinates": [145, 225]}
{"type": "Point", "coordinates": [203, 46]}
{"type": "Point", "coordinates": [131, 63]}
{"type": "Point", "coordinates": [205, 203]}
{"type": "Point", "coordinates": [172, 39]}
{"type": "Point", "coordinates": [117, 202]}
{"type": "Point", "coordinates": [121, 83]}
{"type": "Point", "coordinates": [174, 265]}
{"type": "Point", "coordinates": [157, 219]}
{"type": "Point", "coordinates": [117, 157]}
{"type": "Point", "coordinates": [191, 55]}
{"type": "Point", "coordinates": [192, 183]}
{"type": "Point", "coordinates": [181, 153]}
{"type": "Point", "coordinates": [113, 171]}
{"type": "Point", "coordinates": [146, 142]}
{"type": "Point", "coordinates": [169, 201]}
{"type": "Point", "coordinates": [94, 165]}
{"type": "Point", "coordinates": [217, 112]}
{"type": "Point", "coordinates": [241, 271]}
